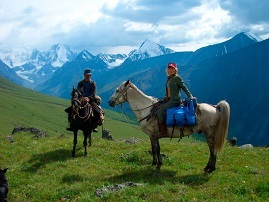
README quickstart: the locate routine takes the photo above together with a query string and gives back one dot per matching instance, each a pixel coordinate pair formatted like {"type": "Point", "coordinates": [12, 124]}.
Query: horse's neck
{"type": "Point", "coordinates": [139, 102]}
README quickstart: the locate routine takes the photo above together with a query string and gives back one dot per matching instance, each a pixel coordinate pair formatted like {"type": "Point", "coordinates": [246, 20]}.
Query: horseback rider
{"type": "Point", "coordinates": [88, 87]}
{"type": "Point", "coordinates": [174, 84]}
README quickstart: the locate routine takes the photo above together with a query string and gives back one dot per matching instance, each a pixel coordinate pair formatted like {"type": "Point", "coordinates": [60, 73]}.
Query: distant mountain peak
{"type": "Point", "coordinates": [61, 54]}
{"type": "Point", "coordinates": [112, 60]}
{"type": "Point", "coordinates": [147, 43]}
{"type": "Point", "coordinates": [85, 55]}
{"type": "Point", "coordinates": [149, 49]}
{"type": "Point", "coordinates": [250, 35]}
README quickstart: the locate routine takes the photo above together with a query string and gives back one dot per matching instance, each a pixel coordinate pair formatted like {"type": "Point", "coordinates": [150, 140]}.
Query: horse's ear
{"type": "Point", "coordinates": [127, 82]}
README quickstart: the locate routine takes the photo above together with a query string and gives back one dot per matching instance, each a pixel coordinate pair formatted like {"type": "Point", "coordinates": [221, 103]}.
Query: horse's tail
{"type": "Point", "coordinates": [222, 125]}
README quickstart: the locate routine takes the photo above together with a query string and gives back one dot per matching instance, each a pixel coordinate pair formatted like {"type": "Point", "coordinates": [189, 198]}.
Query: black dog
{"type": "Point", "coordinates": [3, 185]}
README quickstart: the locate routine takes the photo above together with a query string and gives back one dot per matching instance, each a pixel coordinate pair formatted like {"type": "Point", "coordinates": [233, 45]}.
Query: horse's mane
{"type": "Point", "coordinates": [143, 94]}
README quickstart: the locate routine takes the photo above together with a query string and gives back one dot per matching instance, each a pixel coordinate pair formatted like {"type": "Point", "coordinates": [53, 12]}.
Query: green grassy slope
{"type": "Point", "coordinates": [24, 107]}
{"type": "Point", "coordinates": [41, 169]}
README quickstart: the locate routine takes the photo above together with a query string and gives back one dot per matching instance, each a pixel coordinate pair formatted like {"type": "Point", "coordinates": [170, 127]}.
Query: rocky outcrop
{"type": "Point", "coordinates": [37, 132]}
{"type": "Point", "coordinates": [115, 188]}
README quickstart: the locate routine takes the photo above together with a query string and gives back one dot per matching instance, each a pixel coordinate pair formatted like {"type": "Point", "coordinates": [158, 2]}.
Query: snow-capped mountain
{"type": "Point", "coordinates": [60, 54]}
{"type": "Point", "coordinates": [149, 49]}
{"type": "Point", "coordinates": [56, 56]}
{"type": "Point", "coordinates": [15, 56]}
{"type": "Point", "coordinates": [36, 65]}
{"type": "Point", "coordinates": [112, 60]}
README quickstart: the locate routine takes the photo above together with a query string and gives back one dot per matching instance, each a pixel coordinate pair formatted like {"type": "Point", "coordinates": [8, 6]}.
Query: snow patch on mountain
{"type": "Point", "coordinates": [33, 64]}
{"type": "Point", "coordinates": [61, 54]}
{"type": "Point", "coordinates": [112, 60]}
{"type": "Point", "coordinates": [253, 36]}
{"type": "Point", "coordinates": [149, 49]}
{"type": "Point", "coordinates": [15, 56]}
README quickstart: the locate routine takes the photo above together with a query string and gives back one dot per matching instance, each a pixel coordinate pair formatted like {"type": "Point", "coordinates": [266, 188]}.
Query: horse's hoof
{"type": "Point", "coordinates": [209, 170]}
{"type": "Point", "coordinates": [154, 163]}
{"type": "Point", "coordinates": [158, 167]}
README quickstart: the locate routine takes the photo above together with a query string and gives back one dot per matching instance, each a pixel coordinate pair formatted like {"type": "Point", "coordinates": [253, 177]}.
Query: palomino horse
{"type": "Point", "coordinates": [213, 121]}
{"type": "Point", "coordinates": [82, 119]}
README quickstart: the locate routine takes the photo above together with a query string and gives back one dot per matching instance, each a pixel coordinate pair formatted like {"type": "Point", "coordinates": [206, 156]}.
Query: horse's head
{"type": "Point", "coordinates": [77, 98]}
{"type": "Point", "coordinates": [120, 94]}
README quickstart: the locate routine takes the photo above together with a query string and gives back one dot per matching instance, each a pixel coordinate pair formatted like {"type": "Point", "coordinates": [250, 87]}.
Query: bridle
{"type": "Point", "coordinates": [122, 93]}
{"type": "Point", "coordinates": [78, 98]}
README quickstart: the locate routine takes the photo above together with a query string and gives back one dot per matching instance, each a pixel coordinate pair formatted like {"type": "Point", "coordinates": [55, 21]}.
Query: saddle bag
{"type": "Point", "coordinates": [184, 115]}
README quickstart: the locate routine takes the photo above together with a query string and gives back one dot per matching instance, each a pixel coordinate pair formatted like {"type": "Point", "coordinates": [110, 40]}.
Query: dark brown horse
{"type": "Point", "coordinates": [81, 119]}
{"type": "Point", "coordinates": [213, 121]}
{"type": "Point", "coordinates": [3, 185]}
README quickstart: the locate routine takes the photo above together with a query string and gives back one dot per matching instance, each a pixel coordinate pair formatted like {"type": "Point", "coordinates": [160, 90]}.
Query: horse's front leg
{"type": "Point", "coordinates": [211, 165]}
{"type": "Point", "coordinates": [86, 134]}
{"type": "Point", "coordinates": [90, 139]}
{"type": "Point", "coordinates": [156, 152]}
{"type": "Point", "coordinates": [75, 141]}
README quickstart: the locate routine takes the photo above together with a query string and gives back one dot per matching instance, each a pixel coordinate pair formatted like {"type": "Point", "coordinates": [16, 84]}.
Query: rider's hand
{"type": "Point", "coordinates": [86, 99]}
{"type": "Point", "coordinates": [165, 99]}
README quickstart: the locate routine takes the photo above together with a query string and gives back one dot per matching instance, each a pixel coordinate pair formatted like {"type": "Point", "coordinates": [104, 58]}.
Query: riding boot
{"type": "Point", "coordinates": [68, 110]}
{"type": "Point", "coordinates": [162, 130]}
{"type": "Point", "coordinates": [69, 128]}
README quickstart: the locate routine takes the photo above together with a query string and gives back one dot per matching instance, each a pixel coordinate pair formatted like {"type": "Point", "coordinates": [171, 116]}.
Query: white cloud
{"type": "Point", "coordinates": [119, 25]}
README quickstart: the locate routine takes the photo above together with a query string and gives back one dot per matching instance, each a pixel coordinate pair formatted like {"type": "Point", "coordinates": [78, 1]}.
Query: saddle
{"type": "Point", "coordinates": [153, 112]}
{"type": "Point", "coordinates": [156, 106]}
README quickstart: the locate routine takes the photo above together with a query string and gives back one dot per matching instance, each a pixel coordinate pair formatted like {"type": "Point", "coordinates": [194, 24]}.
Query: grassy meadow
{"type": "Point", "coordinates": [41, 169]}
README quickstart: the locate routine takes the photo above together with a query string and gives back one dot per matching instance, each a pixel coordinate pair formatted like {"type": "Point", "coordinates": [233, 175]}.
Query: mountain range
{"type": "Point", "coordinates": [234, 70]}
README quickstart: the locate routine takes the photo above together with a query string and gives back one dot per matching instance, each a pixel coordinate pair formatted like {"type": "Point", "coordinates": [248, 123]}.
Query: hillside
{"type": "Point", "coordinates": [28, 108]}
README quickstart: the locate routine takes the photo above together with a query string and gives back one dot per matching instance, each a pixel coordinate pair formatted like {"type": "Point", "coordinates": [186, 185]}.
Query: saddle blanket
{"type": "Point", "coordinates": [184, 115]}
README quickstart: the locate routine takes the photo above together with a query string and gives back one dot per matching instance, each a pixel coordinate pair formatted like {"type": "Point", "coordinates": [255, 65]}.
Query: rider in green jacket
{"type": "Point", "coordinates": [172, 97]}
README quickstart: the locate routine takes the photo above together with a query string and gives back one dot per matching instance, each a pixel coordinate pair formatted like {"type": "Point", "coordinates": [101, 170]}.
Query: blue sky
{"type": "Point", "coordinates": [119, 26]}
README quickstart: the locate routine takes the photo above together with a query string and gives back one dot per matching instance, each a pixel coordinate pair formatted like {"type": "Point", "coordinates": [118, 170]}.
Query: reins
{"type": "Point", "coordinates": [139, 121]}
{"type": "Point", "coordinates": [141, 108]}
{"type": "Point", "coordinates": [87, 113]}
{"type": "Point", "coordinates": [123, 93]}
{"type": "Point", "coordinates": [79, 107]}
{"type": "Point", "coordinates": [128, 120]}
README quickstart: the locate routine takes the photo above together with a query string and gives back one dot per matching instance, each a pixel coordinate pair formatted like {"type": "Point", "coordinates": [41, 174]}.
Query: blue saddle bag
{"type": "Point", "coordinates": [184, 115]}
